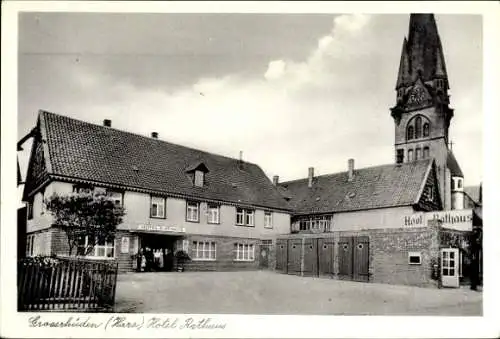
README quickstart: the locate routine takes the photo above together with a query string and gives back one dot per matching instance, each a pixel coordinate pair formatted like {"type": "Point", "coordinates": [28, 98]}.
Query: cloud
{"type": "Point", "coordinates": [319, 111]}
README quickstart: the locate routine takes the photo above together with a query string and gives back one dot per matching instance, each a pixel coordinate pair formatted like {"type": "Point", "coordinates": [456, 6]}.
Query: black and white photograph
{"type": "Point", "coordinates": [178, 167]}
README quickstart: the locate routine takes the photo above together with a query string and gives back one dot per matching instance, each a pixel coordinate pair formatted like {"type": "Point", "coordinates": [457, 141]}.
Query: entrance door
{"type": "Point", "coordinates": [265, 250]}
{"type": "Point", "coordinates": [449, 267]}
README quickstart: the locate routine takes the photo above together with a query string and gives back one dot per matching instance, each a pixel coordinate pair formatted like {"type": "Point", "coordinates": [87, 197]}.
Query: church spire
{"type": "Point", "coordinates": [424, 49]}
{"type": "Point", "coordinates": [404, 66]}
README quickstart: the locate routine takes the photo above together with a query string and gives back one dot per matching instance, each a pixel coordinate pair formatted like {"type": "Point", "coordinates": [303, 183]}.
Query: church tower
{"type": "Point", "coordinates": [422, 114]}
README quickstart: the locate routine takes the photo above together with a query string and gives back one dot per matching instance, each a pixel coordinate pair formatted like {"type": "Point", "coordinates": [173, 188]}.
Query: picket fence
{"type": "Point", "coordinates": [66, 284]}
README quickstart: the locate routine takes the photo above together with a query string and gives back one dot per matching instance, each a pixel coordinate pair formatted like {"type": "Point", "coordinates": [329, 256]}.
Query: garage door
{"type": "Point", "coordinates": [281, 255]}
{"type": "Point", "coordinates": [311, 257]}
{"type": "Point", "coordinates": [326, 253]}
{"type": "Point", "coordinates": [354, 258]}
{"type": "Point", "coordinates": [294, 251]}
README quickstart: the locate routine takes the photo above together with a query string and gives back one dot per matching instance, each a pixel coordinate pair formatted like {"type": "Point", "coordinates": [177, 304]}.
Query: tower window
{"type": "Point", "coordinates": [410, 155]}
{"type": "Point", "coordinates": [418, 154]}
{"type": "Point", "coordinates": [418, 127]}
{"type": "Point", "coordinates": [440, 83]}
{"type": "Point", "coordinates": [399, 156]}
{"type": "Point", "coordinates": [426, 152]}
{"type": "Point", "coordinates": [452, 183]}
{"type": "Point", "coordinates": [459, 183]}
{"type": "Point", "coordinates": [426, 129]}
{"type": "Point", "coordinates": [409, 133]}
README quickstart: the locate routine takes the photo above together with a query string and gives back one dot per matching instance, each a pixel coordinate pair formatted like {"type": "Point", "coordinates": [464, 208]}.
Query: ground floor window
{"type": "Point", "coordinates": [102, 249]}
{"type": "Point", "coordinates": [204, 250]}
{"type": "Point", "coordinates": [30, 240]}
{"type": "Point", "coordinates": [244, 252]}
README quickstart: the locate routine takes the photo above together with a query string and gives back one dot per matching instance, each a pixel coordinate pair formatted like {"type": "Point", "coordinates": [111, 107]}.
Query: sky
{"type": "Point", "coordinates": [290, 91]}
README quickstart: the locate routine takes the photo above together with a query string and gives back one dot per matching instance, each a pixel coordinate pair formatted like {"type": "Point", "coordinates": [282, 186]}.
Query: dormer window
{"type": "Point", "coordinates": [440, 84]}
{"type": "Point", "coordinates": [199, 178]}
{"type": "Point", "coordinates": [197, 174]}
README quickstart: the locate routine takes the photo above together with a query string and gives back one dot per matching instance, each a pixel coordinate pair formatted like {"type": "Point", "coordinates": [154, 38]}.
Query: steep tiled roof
{"type": "Point", "coordinates": [472, 192]}
{"type": "Point", "coordinates": [372, 187]}
{"type": "Point", "coordinates": [101, 154]}
{"type": "Point", "coordinates": [453, 165]}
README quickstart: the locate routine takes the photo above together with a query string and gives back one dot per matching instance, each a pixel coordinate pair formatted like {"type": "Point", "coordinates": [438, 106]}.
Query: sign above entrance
{"type": "Point", "coordinates": [456, 219]}
{"type": "Point", "coordinates": [160, 228]}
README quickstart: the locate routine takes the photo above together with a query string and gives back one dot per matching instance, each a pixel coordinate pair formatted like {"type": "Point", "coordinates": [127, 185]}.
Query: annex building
{"type": "Point", "coordinates": [406, 222]}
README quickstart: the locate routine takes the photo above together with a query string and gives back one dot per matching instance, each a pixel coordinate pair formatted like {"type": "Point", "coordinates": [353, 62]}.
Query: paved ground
{"type": "Point", "coordinates": [262, 292]}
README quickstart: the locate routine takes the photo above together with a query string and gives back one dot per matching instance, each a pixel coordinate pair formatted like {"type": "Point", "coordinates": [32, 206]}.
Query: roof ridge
{"type": "Point", "coordinates": [146, 137]}
{"type": "Point", "coordinates": [358, 169]}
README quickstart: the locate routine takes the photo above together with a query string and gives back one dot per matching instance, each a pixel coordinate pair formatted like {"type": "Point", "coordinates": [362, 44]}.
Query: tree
{"type": "Point", "coordinates": [85, 216]}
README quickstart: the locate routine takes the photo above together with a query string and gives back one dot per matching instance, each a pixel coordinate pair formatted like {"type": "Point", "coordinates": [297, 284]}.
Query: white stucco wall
{"type": "Point", "coordinates": [371, 219]}
{"type": "Point", "coordinates": [137, 208]}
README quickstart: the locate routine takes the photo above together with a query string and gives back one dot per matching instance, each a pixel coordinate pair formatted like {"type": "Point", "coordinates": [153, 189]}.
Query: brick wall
{"type": "Point", "coordinates": [388, 254]}
{"type": "Point", "coordinates": [225, 257]}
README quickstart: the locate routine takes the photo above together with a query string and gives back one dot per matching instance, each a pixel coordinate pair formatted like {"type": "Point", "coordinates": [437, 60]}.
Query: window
{"type": "Point", "coordinates": [459, 183]}
{"type": "Point", "coordinates": [409, 133]}
{"type": "Point", "coordinates": [29, 245]}
{"type": "Point", "coordinates": [414, 258]}
{"type": "Point", "coordinates": [418, 127]}
{"type": "Point", "coordinates": [440, 83]}
{"type": "Point", "coordinates": [317, 223]}
{"type": "Point", "coordinates": [418, 154]}
{"type": "Point", "coordinates": [452, 183]}
{"type": "Point", "coordinates": [410, 155]}
{"type": "Point", "coordinates": [244, 252]}
{"type": "Point", "coordinates": [199, 177]}
{"type": "Point", "coordinates": [244, 217]}
{"type": "Point", "coordinates": [213, 214]}
{"type": "Point", "coordinates": [185, 245]}
{"type": "Point", "coordinates": [204, 250]}
{"type": "Point", "coordinates": [117, 197]}
{"type": "Point", "coordinates": [192, 211]}
{"type": "Point", "coordinates": [268, 219]}
{"type": "Point", "coordinates": [82, 189]}
{"type": "Point", "coordinates": [426, 129]}
{"type": "Point", "coordinates": [429, 193]}
{"type": "Point", "coordinates": [42, 202]}
{"type": "Point", "coordinates": [157, 207]}
{"type": "Point", "coordinates": [426, 152]}
{"type": "Point", "coordinates": [29, 206]}
{"type": "Point", "coordinates": [102, 249]}
{"type": "Point", "coordinates": [399, 156]}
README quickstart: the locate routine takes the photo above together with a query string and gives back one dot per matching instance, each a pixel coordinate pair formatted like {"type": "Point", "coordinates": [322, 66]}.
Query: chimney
{"type": "Point", "coordinates": [107, 122]}
{"type": "Point", "coordinates": [350, 166]}
{"type": "Point", "coordinates": [276, 180]}
{"type": "Point", "coordinates": [240, 160]}
{"type": "Point", "coordinates": [154, 135]}
{"type": "Point", "coordinates": [311, 176]}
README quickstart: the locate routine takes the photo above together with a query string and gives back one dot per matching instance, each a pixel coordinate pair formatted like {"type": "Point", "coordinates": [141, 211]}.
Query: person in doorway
{"type": "Point", "coordinates": [156, 256]}
{"type": "Point", "coordinates": [169, 260]}
{"type": "Point", "coordinates": [149, 259]}
{"type": "Point", "coordinates": [161, 260]}
{"type": "Point", "coordinates": [140, 260]}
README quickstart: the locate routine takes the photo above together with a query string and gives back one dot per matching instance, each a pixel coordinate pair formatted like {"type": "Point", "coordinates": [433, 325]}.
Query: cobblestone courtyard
{"type": "Point", "coordinates": [261, 292]}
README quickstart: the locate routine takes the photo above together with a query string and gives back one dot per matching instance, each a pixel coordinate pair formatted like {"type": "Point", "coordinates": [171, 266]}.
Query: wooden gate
{"type": "Point", "coordinates": [311, 257]}
{"type": "Point", "coordinates": [294, 252]}
{"type": "Point", "coordinates": [325, 256]}
{"type": "Point", "coordinates": [281, 255]}
{"type": "Point", "coordinates": [354, 258]}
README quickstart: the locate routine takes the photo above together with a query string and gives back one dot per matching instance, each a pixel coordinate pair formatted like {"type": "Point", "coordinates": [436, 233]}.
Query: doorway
{"type": "Point", "coordinates": [156, 253]}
